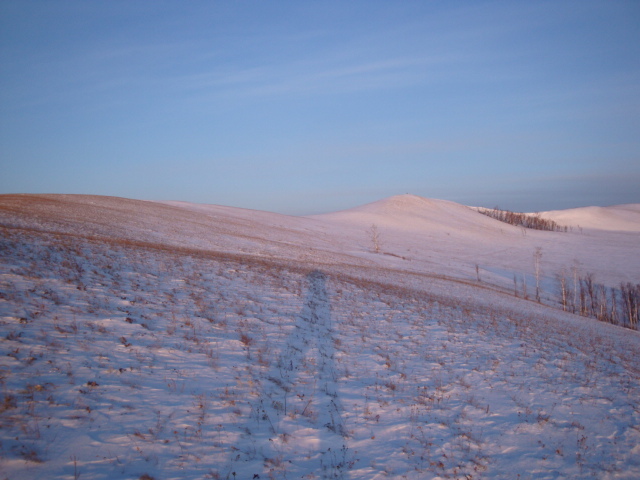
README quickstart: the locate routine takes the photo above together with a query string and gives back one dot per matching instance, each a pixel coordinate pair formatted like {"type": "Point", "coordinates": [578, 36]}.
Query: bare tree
{"type": "Point", "coordinates": [537, 255]}
{"type": "Point", "coordinates": [374, 234]}
{"type": "Point", "coordinates": [563, 289]}
{"type": "Point", "coordinates": [630, 303]}
{"type": "Point", "coordinates": [590, 293]}
{"type": "Point", "coordinates": [603, 303]}
{"type": "Point", "coordinates": [574, 271]}
{"type": "Point", "coordinates": [614, 307]}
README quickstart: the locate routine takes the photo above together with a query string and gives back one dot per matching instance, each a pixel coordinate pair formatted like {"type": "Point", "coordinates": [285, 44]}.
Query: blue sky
{"type": "Point", "coordinates": [315, 106]}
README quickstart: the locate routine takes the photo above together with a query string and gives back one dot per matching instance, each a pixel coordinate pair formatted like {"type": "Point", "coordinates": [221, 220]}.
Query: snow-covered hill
{"type": "Point", "coordinates": [174, 340]}
{"type": "Point", "coordinates": [625, 218]}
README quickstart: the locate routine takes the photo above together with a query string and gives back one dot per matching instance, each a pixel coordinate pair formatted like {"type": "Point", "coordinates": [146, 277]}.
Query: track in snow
{"type": "Point", "coordinates": [299, 406]}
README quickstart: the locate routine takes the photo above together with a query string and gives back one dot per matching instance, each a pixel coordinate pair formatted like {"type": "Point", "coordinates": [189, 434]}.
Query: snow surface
{"type": "Point", "coordinates": [619, 217]}
{"type": "Point", "coordinates": [173, 340]}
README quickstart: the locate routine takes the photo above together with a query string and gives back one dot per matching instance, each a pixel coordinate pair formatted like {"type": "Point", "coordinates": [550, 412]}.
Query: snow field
{"type": "Point", "coordinates": [120, 362]}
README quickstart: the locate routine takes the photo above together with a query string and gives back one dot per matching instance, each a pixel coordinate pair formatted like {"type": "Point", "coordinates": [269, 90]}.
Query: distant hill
{"type": "Point", "coordinates": [625, 218]}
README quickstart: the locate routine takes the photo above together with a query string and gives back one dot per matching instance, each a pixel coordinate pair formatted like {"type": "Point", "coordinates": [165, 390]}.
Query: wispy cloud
{"type": "Point", "coordinates": [310, 77]}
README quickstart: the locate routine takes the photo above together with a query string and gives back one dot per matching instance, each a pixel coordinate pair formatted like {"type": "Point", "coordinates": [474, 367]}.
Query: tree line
{"type": "Point", "coordinates": [583, 296]}
{"type": "Point", "coordinates": [526, 220]}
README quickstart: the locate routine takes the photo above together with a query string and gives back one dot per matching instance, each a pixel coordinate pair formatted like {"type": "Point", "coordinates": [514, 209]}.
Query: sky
{"type": "Point", "coordinates": [317, 106]}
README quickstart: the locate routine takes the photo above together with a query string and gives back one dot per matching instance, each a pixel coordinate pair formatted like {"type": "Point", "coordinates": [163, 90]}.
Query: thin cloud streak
{"type": "Point", "coordinates": [306, 79]}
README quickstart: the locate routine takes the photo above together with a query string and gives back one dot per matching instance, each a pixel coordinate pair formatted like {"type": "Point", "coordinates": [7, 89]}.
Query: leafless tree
{"type": "Point", "coordinates": [562, 279]}
{"type": "Point", "coordinates": [613, 316]}
{"type": "Point", "coordinates": [574, 271]}
{"type": "Point", "coordinates": [602, 303]}
{"type": "Point", "coordinates": [374, 234]}
{"type": "Point", "coordinates": [590, 293]}
{"type": "Point", "coordinates": [630, 303]}
{"type": "Point", "coordinates": [537, 256]}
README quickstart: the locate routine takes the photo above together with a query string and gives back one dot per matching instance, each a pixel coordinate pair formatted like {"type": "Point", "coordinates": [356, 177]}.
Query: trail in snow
{"type": "Point", "coordinates": [298, 411]}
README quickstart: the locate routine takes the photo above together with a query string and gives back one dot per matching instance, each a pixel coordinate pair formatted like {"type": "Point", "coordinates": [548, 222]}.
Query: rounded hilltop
{"type": "Point", "coordinates": [412, 212]}
{"type": "Point", "coordinates": [623, 218]}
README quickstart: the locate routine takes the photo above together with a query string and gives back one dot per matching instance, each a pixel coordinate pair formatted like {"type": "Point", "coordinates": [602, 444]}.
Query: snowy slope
{"type": "Point", "coordinates": [417, 214]}
{"type": "Point", "coordinates": [149, 340]}
{"type": "Point", "coordinates": [451, 239]}
{"type": "Point", "coordinates": [418, 235]}
{"type": "Point", "coordinates": [624, 218]}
